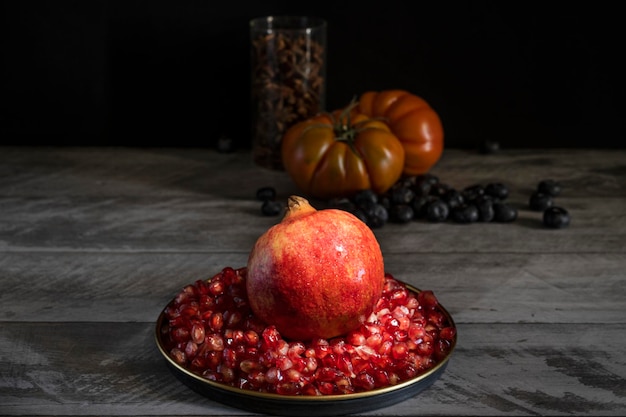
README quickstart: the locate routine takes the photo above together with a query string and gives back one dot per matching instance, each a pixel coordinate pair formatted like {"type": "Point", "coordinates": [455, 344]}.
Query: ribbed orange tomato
{"type": "Point", "coordinates": [337, 154]}
{"type": "Point", "coordinates": [412, 121]}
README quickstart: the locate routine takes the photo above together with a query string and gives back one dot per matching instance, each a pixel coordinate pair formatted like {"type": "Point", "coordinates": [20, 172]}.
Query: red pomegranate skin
{"type": "Point", "coordinates": [316, 274]}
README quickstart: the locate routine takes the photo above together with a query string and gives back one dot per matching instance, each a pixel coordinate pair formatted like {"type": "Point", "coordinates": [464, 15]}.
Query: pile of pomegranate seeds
{"type": "Point", "coordinates": [210, 330]}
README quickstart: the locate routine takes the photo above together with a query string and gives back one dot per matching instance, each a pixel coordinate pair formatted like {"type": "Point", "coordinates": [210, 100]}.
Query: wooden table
{"type": "Point", "coordinates": [95, 241]}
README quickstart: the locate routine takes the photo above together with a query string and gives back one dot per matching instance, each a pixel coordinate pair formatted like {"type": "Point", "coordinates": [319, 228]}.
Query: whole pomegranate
{"type": "Point", "coordinates": [316, 274]}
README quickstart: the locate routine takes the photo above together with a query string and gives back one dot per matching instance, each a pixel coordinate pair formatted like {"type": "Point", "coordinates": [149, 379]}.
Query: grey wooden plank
{"type": "Point", "coordinates": [95, 241]}
{"type": "Point", "coordinates": [131, 172]}
{"type": "Point", "coordinates": [218, 225]}
{"type": "Point", "coordinates": [179, 200]}
{"type": "Point", "coordinates": [178, 172]}
{"type": "Point", "coordinates": [497, 369]}
{"type": "Point", "coordinates": [484, 288]}
{"type": "Point", "coordinates": [91, 369]}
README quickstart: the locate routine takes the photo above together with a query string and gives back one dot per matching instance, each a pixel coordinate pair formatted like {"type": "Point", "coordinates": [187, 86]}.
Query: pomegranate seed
{"type": "Point", "coordinates": [416, 332]}
{"type": "Point", "coordinates": [355, 338]}
{"type": "Point", "coordinates": [399, 351]}
{"type": "Point", "coordinates": [206, 302]}
{"type": "Point", "coordinates": [249, 366]}
{"type": "Point", "coordinates": [345, 365]}
{"type": "Point", "coordinates": [385, 347]}
{"type": "Point", "coordinates": [180, 334]}
{"type": "Point", "coordinates": [215, 342]}
{"type": "Point", "coordinates": [251, 352]}
{"type": "Point", "coordinates": [365, 351]}
{"type": "Point", "coordinates": [283, 363]}
{"type": "Point", "coordinates": [251, 338]}
{"type": "Point", "coordinates": [233, 319]}
{"type": "Point", "coordinates": [427, 300]}
{"type": "Point", "coordinates": [296, 350]}
{"type": "Point", "coordinates": [282, 347]}
{"type": "Point", "coordinates": [271, 336]}
{"type": "Point", "coordinates": [292, 375]}
{"type": "Point", "coordinates": [441, 348]}
{"type": "Point", "coordinates": [322, 348]}
{"type": "Point", "coordinates": [178, 356]}
{"type": "Point", "coordinates": [310, 365]}
{"type": "Point", "coordinates": [344, 385]}
{"type": "Point", "coordinates": [190, 349]}
{"type": "Point", "coordinates": [327, 388]}
{"type": "Point", "coordinates": [216, 287]}
{"type": "Point", "coordinates": [425, 348]}
{"type": "Point", "coordinates": [256, 379]}
{"type": "Point", "coordinates": [229, 358]}
{"type": "Point", "coordinates": [310, 390]}
{"type": "Point", "coordinates": [177, 321]}
{"type": "Point", "coordinates": [189, 310]}
{"type": "Point", "coordinates": [447, 333]}
{"type": "Point", "coordinates": [213, 359]}
{"type": "Point", "coordinates": [327, 374]}
{"type": "Point", "coordinates": [407, 371]}
{"type": "Point", "coordinates": [228, 275]}
{"type": "Point", "coordinates": [399, 296]}
{"type": "Point", "coordinates": [375, 340]}
{"type": "Point", "coordinates": [197, 333]}
{"type": "Point", "coordinates": [437, 318]}
{"type": "Point", "coordinates": [210, 329]}
{"type": "Point", "coordinates": [201, 287]}
{"type": "Point", "coordinates": [287, 388]}
{"type": "Point", "coordinates": [392, 325]}
{"type": "Point", "coordinates": [216, 321]}
{"type": "Point", "coordinates": [400, 335]}
{"type": "Point", "coordinates": [411, 303]}
{"type": "Point", "coordinates": [228, 373]}
{"type": "Point", "coordinates": [273, 375]}
{"type": "Point", "coordinates": [361, 365]}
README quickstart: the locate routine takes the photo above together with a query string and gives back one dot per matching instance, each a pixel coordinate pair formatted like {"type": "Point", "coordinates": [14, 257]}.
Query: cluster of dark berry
{"type": "Point", "coordinates": [425, 197]}
{"type": "Point", "coordinates": [542, 199]}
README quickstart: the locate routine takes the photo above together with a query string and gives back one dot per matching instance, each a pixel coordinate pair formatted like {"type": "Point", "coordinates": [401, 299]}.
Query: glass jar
{"type": "Point", "coordinates": [288, 79]}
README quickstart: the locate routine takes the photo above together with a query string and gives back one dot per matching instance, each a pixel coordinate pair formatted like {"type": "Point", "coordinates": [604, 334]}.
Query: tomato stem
{"type": "Point", "coordinates": [342, 125]}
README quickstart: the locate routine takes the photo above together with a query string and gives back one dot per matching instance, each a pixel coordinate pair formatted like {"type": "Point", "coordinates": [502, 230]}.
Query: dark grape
{"type": "Point", "coordinates": [454, 198]}
{"type": "Point", "coordinates": [497, 190]}
{"type": "Point", "coordinates": [484, 204]}
{"type": "Point", "coordinates": [420, 205]}
{"type": "Point", "coordinates": [465, 214]}
{"type": "Point", "coordinates": [401, 213]}
{"type": "Point", "coordinates": [556, 217]}
{"type": "Point", "coordinates": [401, 195]}
{"type": "Point", "coordinates": [549, 187]}
{"type": "Point", "coordinates": [472, 192]}
{"type": "Point", "coordinates": [539, 201]}
{"type": "Point", "coordinates": [271, 208]}
{"type": "Point", "coordinates": [266, 193]}
{"type": "Point", "coordinates": [364, 197]}
{"type": "Point", "coordinates": [504, 213]}
{"type": "Point", "coordinates": [437, 211]}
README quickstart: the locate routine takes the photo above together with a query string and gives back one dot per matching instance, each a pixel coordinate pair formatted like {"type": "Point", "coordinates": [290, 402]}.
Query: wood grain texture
{"type": "Point", "coordinates": [95, 241]}
{"type": "Point", "coordinates": [526, 369]}
{"type": "Point", "coordinates": [548, 288]}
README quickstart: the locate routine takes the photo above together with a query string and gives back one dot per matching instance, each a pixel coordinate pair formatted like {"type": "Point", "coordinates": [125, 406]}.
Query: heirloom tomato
{"type": "Point", "coordinates": [412, 121]}
{"type": "Point", "coordinates": [337, 154]}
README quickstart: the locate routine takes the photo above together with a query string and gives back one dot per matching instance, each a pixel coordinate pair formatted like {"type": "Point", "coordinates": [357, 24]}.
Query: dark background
{"type": "Point", "coordinates": [176, 73]}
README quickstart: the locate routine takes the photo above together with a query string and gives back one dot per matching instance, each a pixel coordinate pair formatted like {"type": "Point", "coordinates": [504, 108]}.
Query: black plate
{"type": "Point", "coordinates": [325, 405]}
